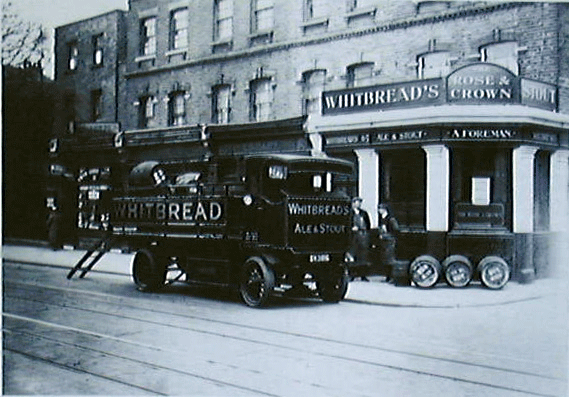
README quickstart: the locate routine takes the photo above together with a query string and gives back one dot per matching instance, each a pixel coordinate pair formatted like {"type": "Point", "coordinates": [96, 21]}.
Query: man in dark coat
{"type": "Point", "coordinates": [360, 240]}
{"type": "Point", "coordinates": [388, 229]}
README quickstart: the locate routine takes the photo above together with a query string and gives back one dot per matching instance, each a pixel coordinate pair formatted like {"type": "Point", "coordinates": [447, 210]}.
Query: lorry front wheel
{"type": "Point", "coordinates": [334, 286]}
{"type": "Point", "coordinates": [256, 283]}
{"type": "Point", "coordinates": [147, 272]}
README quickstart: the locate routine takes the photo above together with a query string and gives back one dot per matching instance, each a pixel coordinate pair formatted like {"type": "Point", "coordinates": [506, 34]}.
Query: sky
{"type": "Point", "coordinates": [53, 13]}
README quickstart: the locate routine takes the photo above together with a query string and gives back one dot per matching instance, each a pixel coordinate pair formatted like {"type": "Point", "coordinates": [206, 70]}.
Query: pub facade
{"type": "Point", "coordinates": [473, 164]}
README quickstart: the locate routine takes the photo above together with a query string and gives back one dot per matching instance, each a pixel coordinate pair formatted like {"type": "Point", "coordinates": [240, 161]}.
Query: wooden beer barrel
{"type": "Point", "coordinates": [425, 271]}
{"type": "Point", "coordinates": [494, 272]}
{"type": "Point", "coordinates": [457, 270]}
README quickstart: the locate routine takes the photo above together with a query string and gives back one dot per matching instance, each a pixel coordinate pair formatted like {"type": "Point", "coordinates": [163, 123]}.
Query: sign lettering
{"type": "Point", "coordinates": [197, 211]}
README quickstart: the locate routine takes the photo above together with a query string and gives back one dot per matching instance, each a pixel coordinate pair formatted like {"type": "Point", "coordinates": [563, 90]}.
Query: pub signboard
{"type": "Point", "coordinates": [475, 84]}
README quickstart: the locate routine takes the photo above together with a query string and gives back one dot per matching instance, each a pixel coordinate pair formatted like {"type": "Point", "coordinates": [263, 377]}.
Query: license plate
{"type": "Point", "coordinates": [315, 258]}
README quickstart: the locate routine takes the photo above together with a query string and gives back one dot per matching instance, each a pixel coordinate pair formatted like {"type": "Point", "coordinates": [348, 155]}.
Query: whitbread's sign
{"type": "Point", "coordinates": [476, 84]}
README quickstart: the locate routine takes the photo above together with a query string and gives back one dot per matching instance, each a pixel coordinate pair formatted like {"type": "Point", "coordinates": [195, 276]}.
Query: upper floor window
{"type": "Point", "coordinates": [314, 9]}
{"type": "Point", "coordinates": [433, 65]}
{"type": "Point", "coordinates": [177, 108]}
{"type": "Point", "coordinates": [148, 36]}
{"type": "Point", "coordinates": [221, 105]}
{"type": "Point", "coordinates": [72, 56]}
{"type": "Point", "coordinates": [261, 99]}
{"type": "Point", "coordinates": [223, 19]}
{"type": "Point", "coordinates": [147, 111]}
{"type": "Point", "coordinates": [503, 53]}
{"type": "Point", "coordinates": [312, 86]}
{"type": "Point", "coordinates": [352, 5]}
{"type": "Point", "coordinates": [360, 74]}
{"type": "Point", "coordinates": [263, 15]}
{"type": "Point", "coordinates": [179, 29]}
{"type": "Point", "coordinates": [96, 104]}
{"type": "Point", "coordinates": [98, 50]}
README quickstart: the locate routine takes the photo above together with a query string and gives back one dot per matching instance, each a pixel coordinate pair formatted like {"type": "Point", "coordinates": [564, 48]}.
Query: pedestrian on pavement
{"type": "Point", "coordinates": [360, 239]}
{"type": "Point", "coordinates": [388, 230]}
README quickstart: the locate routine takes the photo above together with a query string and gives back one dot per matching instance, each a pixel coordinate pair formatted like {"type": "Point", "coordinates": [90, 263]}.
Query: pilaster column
{"type": "Point", "coordinates": [368, 181]}
{"type": "Point", "coordinates": [523, 159]}
{"type": "Point", "coordinates": [438, 187]}
{"type": "Point", "coordinates": [559, 191]}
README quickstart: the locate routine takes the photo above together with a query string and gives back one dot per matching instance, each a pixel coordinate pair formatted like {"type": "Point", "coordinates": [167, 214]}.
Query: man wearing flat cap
{"type": "Point", "coordinates": [360, 240]}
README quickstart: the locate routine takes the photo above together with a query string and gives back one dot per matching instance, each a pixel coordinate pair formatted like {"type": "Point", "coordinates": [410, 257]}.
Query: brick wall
{"type": "Point", "coordinates": [392, 38]}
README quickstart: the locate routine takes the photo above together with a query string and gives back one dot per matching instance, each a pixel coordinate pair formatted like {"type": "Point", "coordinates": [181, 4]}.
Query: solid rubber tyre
{"type": "Point", "coordinates": [494, 272]}
{"type": "Point", "coordinates": [334, 286]}
{"type": "Point", "coordinates": [457, 270]}
{"type": "Point", "coordinates": [256, 283]}
{"type": "Point", "coordinates": [425, 271]}
{"type": "Point", "coordinates": [147, 272]}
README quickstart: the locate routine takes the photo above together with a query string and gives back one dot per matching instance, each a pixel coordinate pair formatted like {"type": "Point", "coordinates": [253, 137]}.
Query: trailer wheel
{"type": "Point", "coordinates": [457, 270]}
{"type": "Point", "coordinates": [425, 271]}
{"type": "Point", "coordinates": [256, 283]}
{"type": "Point", "coordinates": [147, 272]}
{"type": "Point", "coordinates": [494, 272]}
{"type": "Point", "coordinates": [334, 286]}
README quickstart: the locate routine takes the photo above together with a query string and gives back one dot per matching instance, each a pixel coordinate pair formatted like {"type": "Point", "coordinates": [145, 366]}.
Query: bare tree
{"type": "Point", "coordinates": [23, 43]}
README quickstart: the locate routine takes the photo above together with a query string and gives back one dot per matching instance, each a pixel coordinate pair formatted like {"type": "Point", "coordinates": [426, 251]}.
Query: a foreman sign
{"type": "Point", "coordinates": [479, 84]}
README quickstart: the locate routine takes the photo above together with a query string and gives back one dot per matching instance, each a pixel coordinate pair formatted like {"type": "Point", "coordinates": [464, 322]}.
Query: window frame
{"type": "Point", "coordinates": [269, 8]}
{"type": "Point", "coordinates": [72, 56]}
{"type": "Point", "coordinates": [179, 35]}
{"type": "Point", "coordinates": [175, 117]}
{"type": "Point", "coordinates": [96, 104]}
{"type": "Point", "coordinates": [261, 110]}
{"type": "Point", "coordinates": [225, 111]}
{"type": "Point", "coordinates": [219, 18]}
{"type": "Point", "coordinates": [96, 40]}
{"type": "Point", "coordinates": [147, 45]}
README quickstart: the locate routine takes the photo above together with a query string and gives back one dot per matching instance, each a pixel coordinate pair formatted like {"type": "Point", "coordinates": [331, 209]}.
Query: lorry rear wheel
{"type": "Point", "coordinates": [425, 271]}
{"type": "Point", "coordinates": [494, 272]}
{"type": "Point", "coordinates": [256, 283]}
{"type": "Point", "coordinates": [147, 272]}
{"type": "Point", "coordinates": [334, 286]}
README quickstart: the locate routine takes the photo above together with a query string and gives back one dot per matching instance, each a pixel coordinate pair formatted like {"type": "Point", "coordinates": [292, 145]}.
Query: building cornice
{"type": "Point", "coordinates": [342, 35]}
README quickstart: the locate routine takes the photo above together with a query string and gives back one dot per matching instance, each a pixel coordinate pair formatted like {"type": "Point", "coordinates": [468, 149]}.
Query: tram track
{"type": "Point", "coordinates": [348, 352]}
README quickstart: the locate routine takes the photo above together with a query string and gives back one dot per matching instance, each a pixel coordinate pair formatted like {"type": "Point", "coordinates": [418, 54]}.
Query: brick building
{"type": "Point", "coordinates": [455, 113]}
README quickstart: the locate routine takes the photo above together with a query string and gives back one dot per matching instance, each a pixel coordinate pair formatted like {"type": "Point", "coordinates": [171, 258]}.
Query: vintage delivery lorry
{"type": "Point", "coordinates": [264, 224]}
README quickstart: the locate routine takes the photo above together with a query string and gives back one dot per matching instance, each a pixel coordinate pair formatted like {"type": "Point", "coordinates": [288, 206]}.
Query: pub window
{"type": "Point", "coordinates": [98, 50]}
{"type": "Point", "coordinates": [223, 20]}
{"type": "Point", "coordinates": [360, 74]}
{"type": "Point", "coordinates": [177, 108]}
{"type": "Point", "coordinates": [221, 105]}
{"type": "Point", "coordinates": [148, 36]}
{"type": "Point", "coordinates": [263, 15]}
{"type": "Point", "coordinates": [96, 104]}
{"type": "Point", "coordinates": [312, 86]}
{"type": "Point", "coordinates": [503, 53]}
{"type": "Point", "coordinates": [480, 194]}
{"type": "Point", "coordinates": [261, 99]}
{"type": "Point", "coordinates": [72, 56]}
{"type": "Point", "coordinates": [147, 111]}
{"type": "Point", "coordinates": [433, 65]}
{"type": "Point", "coordinates": [179, 29]}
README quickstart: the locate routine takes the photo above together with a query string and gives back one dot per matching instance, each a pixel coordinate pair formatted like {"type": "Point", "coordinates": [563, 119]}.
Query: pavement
{"type": "Point", "coordinates": [376, 291]}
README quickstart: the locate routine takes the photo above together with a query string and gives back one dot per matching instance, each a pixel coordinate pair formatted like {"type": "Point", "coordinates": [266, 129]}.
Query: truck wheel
{"type": "Point", "coordinates": [494, 272]}
{"type": "Point", "coordinates": [334, 286]}
{"type": "Point", "coordinates": [457, 270]}
{"type": "Point", "coordinates": [256, 283]}
{"type": "Point", "coordinates": [147, 272]}
{"type": "Point", "coordinates": [425, 271]}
